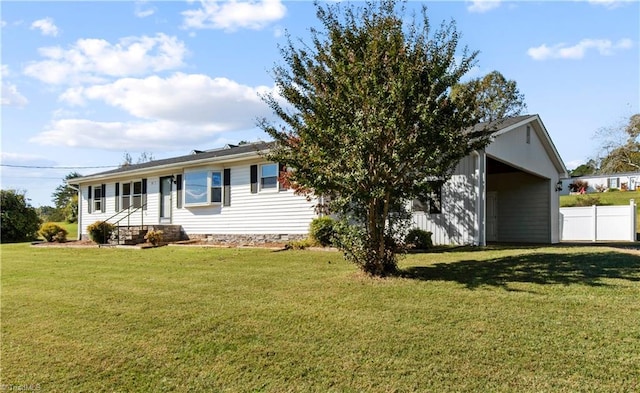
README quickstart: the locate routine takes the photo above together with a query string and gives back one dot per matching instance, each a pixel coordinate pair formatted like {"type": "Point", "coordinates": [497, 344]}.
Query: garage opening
{"type": "Point", "coordinates": [518, 205]}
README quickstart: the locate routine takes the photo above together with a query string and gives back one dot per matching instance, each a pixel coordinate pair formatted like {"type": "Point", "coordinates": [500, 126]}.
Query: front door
{"type": "Point", "coordinates": [166, 185]}
{"type": "Point", "coordinates": [492, 216]}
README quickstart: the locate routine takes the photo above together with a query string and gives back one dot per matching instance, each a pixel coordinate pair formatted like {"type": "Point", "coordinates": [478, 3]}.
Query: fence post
{"type": "Point", "coordinates": [594, 233]}
{"type": "Point", "coordinates": [632, 209]}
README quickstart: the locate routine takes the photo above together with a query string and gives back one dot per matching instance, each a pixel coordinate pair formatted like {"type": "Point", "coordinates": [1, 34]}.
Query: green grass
{"type": "Point", "coordinates": [72, 228]}
{"type": "Point", "coordinates": [606, 198]}
{"type": "Point", "coordinates": [241, 320]}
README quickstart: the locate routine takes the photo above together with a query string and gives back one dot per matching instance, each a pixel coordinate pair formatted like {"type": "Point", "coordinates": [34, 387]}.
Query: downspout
{"type": "Point", "coordinates": [480, 228]}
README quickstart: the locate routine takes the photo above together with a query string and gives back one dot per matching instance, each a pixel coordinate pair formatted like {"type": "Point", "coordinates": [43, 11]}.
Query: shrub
{"type": "Point", "coordinates": [100, 231]}
{"type": "Point", "coordinates": [322, 230]}
{"type": "Point", "coordinates": [601, 188]}
{"type": "Point", "coordinates": [356, 246]}
{"type": "Point", "coordinates": [419, 239]}
{"type": "Point", "coordinates": [579, 185]}
{"type": "Point", "coordinates": [587, 200]}
{"type": "Point", "coordinates": [612, 190]}
{"type": "Point", "coordinates": [19, 221]}
{"type": "Point", "coordinates": [53, 232]}
{"type": "Point", "coordinates": [299, 244]}
{"type": "Point", "coordinates": [154, 237]}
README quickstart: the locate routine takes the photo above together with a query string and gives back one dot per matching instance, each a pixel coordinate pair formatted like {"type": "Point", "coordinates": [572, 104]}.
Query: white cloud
{"type": "Point", "coordinates": [480, 6]}
{"type": "Point", "coordinates": [90, 60]}
{"type": "Point", "coordinates": [9, 92]}
{"type": "Point", "coordinates": [609, 3]}
{"type": "Point", "coordinates": [3, 23]}
{"type": "Point", "coordinates": [11, 95]}
{"type": "Point", "coordinates": [122, 135]}
{"type": "Point", "coordinates": [24, 159]}
{"type": "Point", "coordinates": [180, 110]}
{"type": "Point", "coordinates": [232, 15]}
{"type": "Point", "coordinates": [185, 98]}
{"type": "Point", "coordinates": [46, 27]}
{"type": "Point", "coordinates": [578, 51]}
{"type": "Point", "coordinates": [143, 9]}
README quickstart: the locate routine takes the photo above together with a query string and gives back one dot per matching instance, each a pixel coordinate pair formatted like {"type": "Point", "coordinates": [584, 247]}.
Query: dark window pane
{"type": "Point", "coordinates": [216, 195]}
{"type": "Point", "coordinates": [126, 202]}
{"type": "Point", "coordinates": [137, 187]}
{"type": "Point", "coordinates": [269, 182]}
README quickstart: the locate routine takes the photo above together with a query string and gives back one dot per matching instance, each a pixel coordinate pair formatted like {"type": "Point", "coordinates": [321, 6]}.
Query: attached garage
{"type": "Point", "coordinates": [508, 192]}
{"type": "Point", "coordinates": [523, 174]}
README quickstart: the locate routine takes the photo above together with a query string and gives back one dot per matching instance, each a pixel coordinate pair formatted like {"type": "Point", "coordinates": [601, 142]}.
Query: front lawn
{"type": "Point", "coordinates": [242, 320]}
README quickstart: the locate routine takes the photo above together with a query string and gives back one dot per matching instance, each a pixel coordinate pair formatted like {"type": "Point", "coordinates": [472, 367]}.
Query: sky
{"type": "Point", "coordinates": [85, 83]}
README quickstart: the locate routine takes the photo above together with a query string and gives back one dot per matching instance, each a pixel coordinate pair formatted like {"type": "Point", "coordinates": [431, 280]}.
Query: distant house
{"type": "Point", "coordinates": [625, 181]}
{"type": "Point", "coordinates": [506, 192]}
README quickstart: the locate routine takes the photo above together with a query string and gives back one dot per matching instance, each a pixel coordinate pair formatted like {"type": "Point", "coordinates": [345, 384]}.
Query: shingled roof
{"type": "Point", "coordinates": [233, 150]}
{"type": "Point", "coordinates": [195, 156]}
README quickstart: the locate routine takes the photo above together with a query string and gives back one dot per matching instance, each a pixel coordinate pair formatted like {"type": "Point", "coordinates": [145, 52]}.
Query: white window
{"type": "Point", "coordinates": [97, 199]}
{"type": "Point", "coordinates": [614, 182]}
{"type": "Point", "coordinates": [269, 177]}
{"type": "Point", "coordinates": [432, 202]}
{"type": "Point", "coordinates": [203, 188]}
{"type": "Point", "coordinates": [216, 187]}
{"type": "Point", "coordinates": [132, 195]}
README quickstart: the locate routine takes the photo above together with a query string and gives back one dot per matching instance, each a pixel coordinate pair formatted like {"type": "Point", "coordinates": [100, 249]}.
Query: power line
{"type": "Point", "coordinates": [58, 167]}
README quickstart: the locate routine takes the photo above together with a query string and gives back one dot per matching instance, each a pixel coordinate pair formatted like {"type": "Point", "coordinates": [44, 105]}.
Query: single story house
{"type": "Point", "coordinates": [507, 192]}
{"type": "Point", "coordinates": [628, 180]}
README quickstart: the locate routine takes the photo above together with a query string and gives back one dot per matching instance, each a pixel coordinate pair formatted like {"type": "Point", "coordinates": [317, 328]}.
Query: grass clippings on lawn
{"type": "Point", "coordinates": [250, 320]}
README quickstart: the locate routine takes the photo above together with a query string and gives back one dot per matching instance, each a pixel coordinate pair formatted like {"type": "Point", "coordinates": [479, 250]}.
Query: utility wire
{"type": "Point", "coordinates": [58, 167]}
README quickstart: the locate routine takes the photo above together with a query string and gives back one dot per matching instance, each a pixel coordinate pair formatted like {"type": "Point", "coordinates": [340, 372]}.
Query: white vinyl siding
{"type": "Point", "coordinates": [261, 213]}
{"type": "Point", "coordinates": [523, 207]}
{"type": "Point", "coordinates": [457, 223]}
{"type": "Point", "coordinates": [257, 213]}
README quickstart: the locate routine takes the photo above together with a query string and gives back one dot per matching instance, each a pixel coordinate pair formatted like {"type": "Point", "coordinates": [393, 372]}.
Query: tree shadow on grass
{"type": "Point", "coordinates": [540, 268]}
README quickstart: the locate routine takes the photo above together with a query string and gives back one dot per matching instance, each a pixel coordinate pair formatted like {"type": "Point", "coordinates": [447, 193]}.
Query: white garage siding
{"type": "Point", "coordinates": [523, 203]}
{"type": "Point", "coordinates": [457, 224]}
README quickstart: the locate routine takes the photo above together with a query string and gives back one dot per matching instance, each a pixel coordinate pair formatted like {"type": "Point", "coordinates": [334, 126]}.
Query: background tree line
{"type": "Point", "coordinates": [619, 151]}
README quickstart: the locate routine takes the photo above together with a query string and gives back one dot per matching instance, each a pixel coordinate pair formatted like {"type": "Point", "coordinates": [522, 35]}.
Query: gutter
{"type": "Point", "coordinates": [181, 165]}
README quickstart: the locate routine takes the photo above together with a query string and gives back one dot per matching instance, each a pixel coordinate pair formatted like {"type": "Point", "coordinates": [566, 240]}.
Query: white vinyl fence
{"type": "Point", "coordinates": [598, 223]}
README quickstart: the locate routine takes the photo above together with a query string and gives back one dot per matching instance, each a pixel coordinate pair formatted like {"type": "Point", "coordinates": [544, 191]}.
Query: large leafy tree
{"type": "Point", "coordinates": [19, 221]}
{"type": "Point", "coordinates": [621, 146]}
{"type": "Point", "coordinates": [369, 121]}
{"type": "Point", "coordinates": [65, 199]}
{"type": "Point", "coordinates": [589, 168]}
{"type": "Point", "coordinates": [495, 96]}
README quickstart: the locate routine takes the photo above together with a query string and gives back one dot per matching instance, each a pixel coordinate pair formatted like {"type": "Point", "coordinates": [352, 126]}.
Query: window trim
{"type": "Point", "coordinates": [97, 200]}
{"type": "Point", "coordinates": [616, 179]}
{"type": "Point", "coordinates": [432, 204]}
{"type": "Point", "coordinates": [261, 188]}
{"type": "Point", "coordinates": [93, 202]}
{"type": "Point", "coordinates": [131, 195]}
{"type": "Point", "coordinates": [209, 188]}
